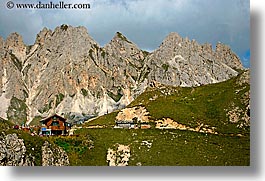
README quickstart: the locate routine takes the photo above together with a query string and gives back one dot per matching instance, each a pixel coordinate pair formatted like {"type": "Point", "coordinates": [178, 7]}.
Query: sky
{"type": "Point", "coordinates": [145, 22]}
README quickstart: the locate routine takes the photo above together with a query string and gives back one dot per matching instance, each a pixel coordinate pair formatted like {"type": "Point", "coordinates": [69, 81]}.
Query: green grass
{"type": "Point", "coordinates": [107, 120]}
{"type": "Point", "coordinates": [75, 147]}
{"type": "Point", "coordinates": [84, 92]}
{"type": "Point", "coordinates": [64, 27]}
{"type": "Point", "coordinates": [59, 99]}
{"type": "Point", "coordinates": [191, 106]}
{"type": "Point", "coordinates": [169, 147]}
{"type": "Point", "coordinates": [146, 53]}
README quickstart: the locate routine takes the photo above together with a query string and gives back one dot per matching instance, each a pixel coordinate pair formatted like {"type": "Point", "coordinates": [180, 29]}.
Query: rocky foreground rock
{"type": "Point", "coordinates": [13, 152]}
{"type": "Point", "coordinates": [67, 72]}
{"type": "Point", "coordinates": [119, 156]}
{"type": "Point", "coordinates": [54, 155]}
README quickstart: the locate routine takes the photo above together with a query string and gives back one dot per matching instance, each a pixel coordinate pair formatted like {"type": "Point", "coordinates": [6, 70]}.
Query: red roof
{"type": "Point", "coordinates": [55, 115]}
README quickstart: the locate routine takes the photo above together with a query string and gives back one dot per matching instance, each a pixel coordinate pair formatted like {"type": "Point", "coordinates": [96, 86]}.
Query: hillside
{"type": "Point", "coordinates": [213, 129]}
{"type": "Point", "coordinates": [222, 105]}
{"type": "Point", "coordinates": [221, 111]}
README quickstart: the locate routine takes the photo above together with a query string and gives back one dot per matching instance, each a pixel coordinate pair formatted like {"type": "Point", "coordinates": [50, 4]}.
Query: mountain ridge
{"type": "Point", "coordinates": [66, 71]}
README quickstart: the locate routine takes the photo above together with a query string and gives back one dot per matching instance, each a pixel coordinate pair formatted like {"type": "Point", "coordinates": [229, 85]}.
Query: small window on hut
{"type": "Point", "coordinates": [55, 123]}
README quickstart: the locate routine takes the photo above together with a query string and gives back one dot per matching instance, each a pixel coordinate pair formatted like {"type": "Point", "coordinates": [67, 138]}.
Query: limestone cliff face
{"type": "Point", "coordinates": [183, 62]}
{"type": "Point", "coordinates": [12, 57]}
{"type": "Point", "coordinates": [67, 72]}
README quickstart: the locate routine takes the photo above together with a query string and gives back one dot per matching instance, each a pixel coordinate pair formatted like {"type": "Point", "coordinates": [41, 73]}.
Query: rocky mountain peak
{"type": "Point", "coordinates": [15, 46]}
{"type": "Point", "coordinates": [68, 29]}
{"type": "Point", "coordinates": [14, 40]}
{"type": "Point", "coordinates": [120, 46]}
{"type": "Point", "coordinates": [64, 34]}
{"type": "Point", "coordinates": [120, 37]}
{"type": "Point", "coordinates": [173, 37]}
{"type": "Point", "coordinates": [44, 34]}
{"type": "Point", "coordinates": [180, 61]}
{"type": "Point", "coordinates": [227, 56]}
{"type": "Point", "coordinates": [67, 72]}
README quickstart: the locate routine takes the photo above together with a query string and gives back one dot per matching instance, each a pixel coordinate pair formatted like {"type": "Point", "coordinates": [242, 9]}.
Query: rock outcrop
{"type": "Point", "coordinates": [54, 155]}
{"type": "Point", "coordinates": [167, 123]}
{"type": "Point", "coordinates": [241, 115]}
{"type": "Point", "coordinates": [13, 152]}
{"type": "Point", "coordinates": [119, 156]}
{"type": "Point", "coordinates": [137, 114]}
{"type": "Point", "coordinates": [67, 72]}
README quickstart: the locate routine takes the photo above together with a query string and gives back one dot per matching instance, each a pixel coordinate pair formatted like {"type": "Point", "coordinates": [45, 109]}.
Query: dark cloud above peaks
{"type": "Point", "coordinates": [145, 22]}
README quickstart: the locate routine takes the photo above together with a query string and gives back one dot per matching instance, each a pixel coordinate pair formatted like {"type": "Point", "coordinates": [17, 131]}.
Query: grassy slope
{"type": "Point", "coordinates": [205, 104]}
{"type": "Point", "coordinates": [108, 120]}
{"type": "Point", "coordinates": [169, 147]}
{"type": "Point", "coordinates": [189, 106]}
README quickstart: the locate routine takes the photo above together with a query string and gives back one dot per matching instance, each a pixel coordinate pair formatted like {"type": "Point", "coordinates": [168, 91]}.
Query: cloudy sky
{"type": "Point", "coordinates": [145, 22]}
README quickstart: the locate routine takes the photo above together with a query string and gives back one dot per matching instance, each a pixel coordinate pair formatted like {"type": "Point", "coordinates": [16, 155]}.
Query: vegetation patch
{"type": "Point", "coordinates": [115, 97]}
{"type": "Point", "coordinates": [165, 67]}
{"type": "Point", "coordinates": [84, 92]}
{"type": "Point", "coordinates": [16, 62]}
{"type": "Point", "coordinates": [75, 147]}
{"type": "Point", "coordinates": [64, 27]}
{"type": "Point", "coordinates": [17, 111]}
{"type": "Point", "coordinates": [91, 54]}
{"type": "Point", "coordinates": [146, 53]}
{"type": "Point", "coordinates": [59, 99]}
{"type": "Point", "coordinates": [205, 105]}
{"type": "Point", "coordinates": [46, 108]}
{"type": "Point", "coordinates": [123, 37]}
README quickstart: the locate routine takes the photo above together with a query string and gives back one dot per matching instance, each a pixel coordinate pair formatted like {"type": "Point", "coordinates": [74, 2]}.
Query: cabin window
{"type": "Point", "coordinates": [55, 123]}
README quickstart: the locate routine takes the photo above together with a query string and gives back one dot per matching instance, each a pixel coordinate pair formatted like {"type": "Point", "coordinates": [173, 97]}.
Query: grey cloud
{"type": "Point", "coordinates": [145, 22]}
